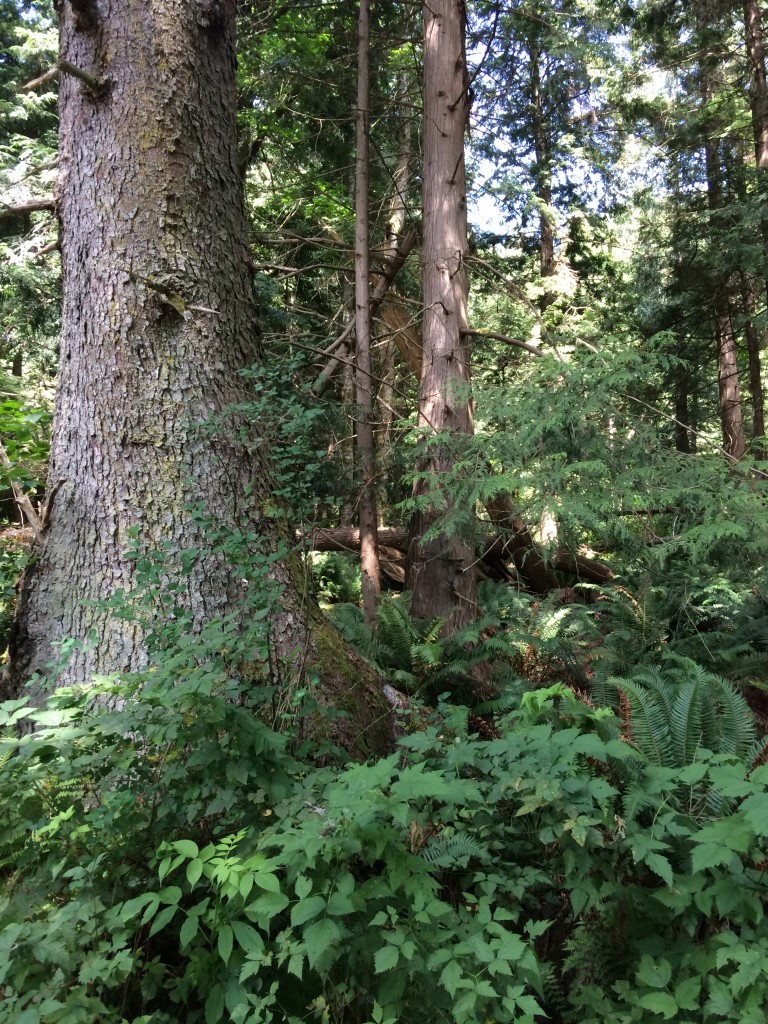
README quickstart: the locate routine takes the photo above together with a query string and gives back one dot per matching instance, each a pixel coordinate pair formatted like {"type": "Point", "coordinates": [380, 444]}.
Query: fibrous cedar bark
{"type": "Point", "coordinates": [158, 321]}
{"type": "Point", "coordinates": [441, 575]}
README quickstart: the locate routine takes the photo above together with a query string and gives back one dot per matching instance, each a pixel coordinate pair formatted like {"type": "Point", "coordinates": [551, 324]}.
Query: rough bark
{"type": "Point", "coordinates": [369, 552]}
{"type": "Point", "coordinates": [158, 320]}
{"type": "Point", "coordinates": [440, 574]}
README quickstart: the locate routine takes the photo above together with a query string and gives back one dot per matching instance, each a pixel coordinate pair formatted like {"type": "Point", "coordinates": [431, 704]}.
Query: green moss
{"type": "Point", "coordinates": [347, 684]}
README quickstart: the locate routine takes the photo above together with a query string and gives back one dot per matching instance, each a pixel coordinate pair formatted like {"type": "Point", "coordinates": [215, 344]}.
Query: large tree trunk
{"type": "Point", "coordinates": [158, 321]}
{"type": "Point", "coordinates": [441, 575]}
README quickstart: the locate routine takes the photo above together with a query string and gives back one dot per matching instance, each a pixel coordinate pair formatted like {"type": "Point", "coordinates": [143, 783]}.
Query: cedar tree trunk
{"type": "Point", "coordinates": [158, 321]}
{"type": "Point", "coordinates": [441, 573]}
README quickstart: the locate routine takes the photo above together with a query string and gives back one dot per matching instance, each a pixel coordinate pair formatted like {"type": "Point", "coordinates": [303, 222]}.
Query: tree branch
{"type": "Point", "coordinates": [507, 341]}
{"type": "Point", "coordinates": [8, 210]}
{"type": "Point", "coordinates": [22, 499]}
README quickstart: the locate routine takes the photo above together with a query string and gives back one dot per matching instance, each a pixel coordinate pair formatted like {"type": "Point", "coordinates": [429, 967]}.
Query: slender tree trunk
{"type": "Point", "coordinates": [402, 171]}
{"type": "Point", "coordinates": [758, 101]}
{"type": "Point", "coordinates": [731, 415]}
{"type": "Point", "coordinates": [682, 435]}
{"type": "Point", "coordinates": [755, 367]}
{"type": "Point", "coordinates": [758, 92]}
{"type": "Point", "coordinates": [369, 545]}
{"type": "Point", "coordinates": [543, 180]}
{"type": "Point", "coordinates": [158, 320]}
{"type": "Point", "coordinates": [441, 572]}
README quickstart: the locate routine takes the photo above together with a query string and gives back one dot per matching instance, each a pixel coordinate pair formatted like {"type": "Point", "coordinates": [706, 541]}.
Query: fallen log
{"type": "Point", "coordinates": [495, 548]}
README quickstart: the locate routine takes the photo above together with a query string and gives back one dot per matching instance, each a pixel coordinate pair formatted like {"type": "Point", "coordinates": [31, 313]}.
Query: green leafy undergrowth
{"type": "Point", "coordinates": [417, 659]}
{"type": "Point", "coordinates": [173, 862]}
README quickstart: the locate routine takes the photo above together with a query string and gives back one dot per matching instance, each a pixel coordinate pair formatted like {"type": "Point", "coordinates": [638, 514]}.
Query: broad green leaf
{"type": "Point", "coordinates": [322, 937]}
{"type": "Point", "coordinates": [339, 904]}
{"type": "Point", "coordinates": [186, 847]}
{"type": "Point", "coordinates": [306, 909]}
{"type": "Point", "coordinates": [303, 887]}
{"type": "Point", "coordinates": [687, 993]}
{"type": "Point", "coordinates": [296, 965]}
{"type": "Point", "coordinates": [709, 855]}
{"type": "Point", "coordinates": [660, 866]}
{"type": "Point", "coordinates": [247, 936]}
{"type": "Point", "coordinates": [654, 973]}
{"type": "Point", "coordinates": [162, 919]}
{"type": "Point", "coordinates": [224, 942]}
{"type": "Point", "coordinates": [188, 930]}
{"type": "Point", "coordinates": [659, 1002]}
{"type": "Point", "coordinates": [385, 959]}
{"type": "Point", "coordinates": [214, 1005]}
{"type": "Point", "coordinates": [194, 870]}
{"type": "Point", "coordinates": [266, 906]}
{"type": "Point", "coordinates": [450, 977]}
{"type": "Point", "coordinates": [755, 810]}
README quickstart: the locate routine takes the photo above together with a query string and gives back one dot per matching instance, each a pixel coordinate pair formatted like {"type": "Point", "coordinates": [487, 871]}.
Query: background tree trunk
{"type": "Point", "coordinates": [158, 321]}
{"type": "Point", "coordinates": [441, 575]}
{"type": "Point", "coordinates": [369, 545]}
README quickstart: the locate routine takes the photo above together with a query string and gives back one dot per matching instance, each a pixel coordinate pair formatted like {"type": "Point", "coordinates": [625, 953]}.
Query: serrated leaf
{"type": "Point", "coordinates": [306, 909]}
{"type": "Point", "coordinates": [296, 965]}
{"type": "Point", "coordinates": [247, 936]}
{"type": "Point", "coordinates": [654, 973]}
{"type": "Point", "coordinates": [579, 900]}
{"type": "Point", "coordinates": [450, 976]}
{"type": "Point", "coordinates": [687, 993]}
{"type": "Point", "coordinates": [755, 810]}
{"type": "Point", "coordinates": [661, 867]}
{"type": "Point", "coordinates": [269, 882]}
{"type": "Point", "coordinates": [322, 937]}
{"type": "Point", "coordinates": [303, 887]}
{"type": "Point", "coordinates": [709, 855]}
{"type": "Point", "coordinates": [659, 1002]}
{"type": "Point", "coordinates": [339, 904]}
{"type": "Point", "coordinates": [266, 906]}
{"type": "Point", "coordinates": [224, 942]}
{"type": "Point", "coordinates": [385, 959]}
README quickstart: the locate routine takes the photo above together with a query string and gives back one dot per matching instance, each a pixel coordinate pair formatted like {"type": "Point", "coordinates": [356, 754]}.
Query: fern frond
{"type": "Point", "coordinates": [449, 851]}
{"type": "Point", "coordinates": [649, 719]}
